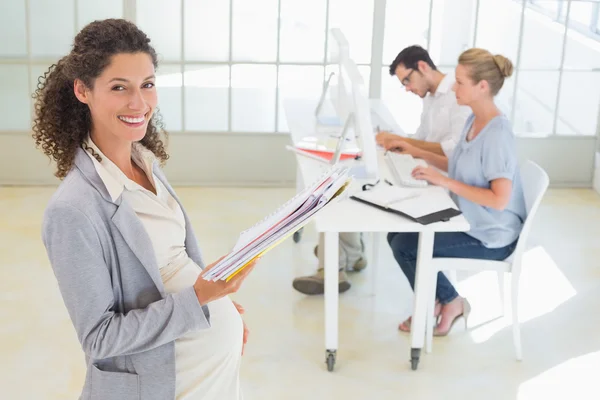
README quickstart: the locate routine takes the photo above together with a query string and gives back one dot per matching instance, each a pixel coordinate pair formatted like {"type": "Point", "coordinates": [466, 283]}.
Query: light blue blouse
{"type": "Point", "coordinates": [491, 155]}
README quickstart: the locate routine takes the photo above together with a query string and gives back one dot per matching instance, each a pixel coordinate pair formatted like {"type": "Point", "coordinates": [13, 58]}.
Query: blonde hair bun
{"type": "Point", "coordinates": [504, 64]}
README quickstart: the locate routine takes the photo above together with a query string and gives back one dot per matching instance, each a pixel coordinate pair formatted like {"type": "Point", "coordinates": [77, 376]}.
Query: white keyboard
{"type": "Point", "coordinates": [401, 167]}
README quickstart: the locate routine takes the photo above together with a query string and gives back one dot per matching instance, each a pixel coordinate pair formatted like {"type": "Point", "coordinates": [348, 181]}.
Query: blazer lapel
{"type": "Point", "coordinates": [125, 220]}
{"type": "Point", "coordinates": [139, 242]}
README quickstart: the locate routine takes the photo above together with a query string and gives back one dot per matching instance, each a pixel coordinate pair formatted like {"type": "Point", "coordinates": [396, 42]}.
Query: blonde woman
{"type": "Point", "coordinates": [483, 179]}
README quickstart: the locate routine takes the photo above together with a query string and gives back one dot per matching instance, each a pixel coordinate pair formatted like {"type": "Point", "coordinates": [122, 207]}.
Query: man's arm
{"type": "Point", "coordinates": [404, 146]}
{"type": "Point", "coordinates": [431, 147]}
{"type": "Point", "coordinates": [385, 139]}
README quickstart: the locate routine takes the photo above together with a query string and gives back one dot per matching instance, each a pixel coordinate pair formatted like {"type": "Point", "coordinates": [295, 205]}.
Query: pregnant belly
{"type": "Point", "coordinates": [224, 337]}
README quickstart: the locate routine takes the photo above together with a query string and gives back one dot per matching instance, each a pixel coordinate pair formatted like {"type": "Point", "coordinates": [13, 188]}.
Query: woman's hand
{"type": "Point", "coordinates": [430, 175]}
{"type": "Point", "coordinates": [246, 330]}
{"type": "Point", "coordinates": [208, 291]}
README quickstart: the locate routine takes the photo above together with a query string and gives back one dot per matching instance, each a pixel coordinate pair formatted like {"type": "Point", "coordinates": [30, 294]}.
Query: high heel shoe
{"type": "Point", "coordinates": [465, 314]}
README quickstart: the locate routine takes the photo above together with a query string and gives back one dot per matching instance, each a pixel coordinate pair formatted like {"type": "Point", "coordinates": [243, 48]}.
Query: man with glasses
{"type": "Point", "coordinates": [442, 119]}
{"type": "Point", "coordinates": [442, 122]}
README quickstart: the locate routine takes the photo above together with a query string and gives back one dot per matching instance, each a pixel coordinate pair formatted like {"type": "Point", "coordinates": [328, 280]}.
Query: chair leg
{"type": "Point", "coordinates": [501, 292]}
{"type": "Point", "coordinates": [515, 316]}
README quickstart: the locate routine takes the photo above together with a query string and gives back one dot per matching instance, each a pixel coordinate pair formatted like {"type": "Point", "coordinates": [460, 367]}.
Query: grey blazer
{"type": "Point", "coordinates": [109, 280]}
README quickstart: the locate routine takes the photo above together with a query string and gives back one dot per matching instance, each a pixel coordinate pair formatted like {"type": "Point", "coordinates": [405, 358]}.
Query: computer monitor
{"type": "Point", "coordinates": [346, 90]}
{"type": "Point", "coordinates": [334, 90]}
{"type": "Point", "coordinates": [359, 120]}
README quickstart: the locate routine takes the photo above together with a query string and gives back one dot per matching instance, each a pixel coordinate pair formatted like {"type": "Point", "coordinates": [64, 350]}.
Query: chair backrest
{"type": "Point", "coordinates": [535, 182]}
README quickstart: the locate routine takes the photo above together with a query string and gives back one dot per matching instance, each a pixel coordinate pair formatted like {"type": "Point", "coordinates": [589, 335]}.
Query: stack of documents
{"type": "Point", "coordinates": [282, 223]}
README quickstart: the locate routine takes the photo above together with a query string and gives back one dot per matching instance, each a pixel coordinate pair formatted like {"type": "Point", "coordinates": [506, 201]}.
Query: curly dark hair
{"type": "Point", "coordinates": [62, 122]}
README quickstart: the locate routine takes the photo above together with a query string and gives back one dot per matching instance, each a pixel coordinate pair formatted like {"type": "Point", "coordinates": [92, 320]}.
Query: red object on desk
{"type": "Point", "coordinates": [328, 155]}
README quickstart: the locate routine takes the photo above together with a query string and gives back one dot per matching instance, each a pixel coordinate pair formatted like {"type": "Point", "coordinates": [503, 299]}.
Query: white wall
{"type": "Point", "coordinates": [221, 159]}
{"type": "Point", "coordinates": [596, 182]}
{"type": "Point", "coordinates": [225, 159]}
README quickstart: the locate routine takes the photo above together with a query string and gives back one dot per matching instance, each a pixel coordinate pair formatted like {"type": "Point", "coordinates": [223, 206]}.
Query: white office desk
{"type": "Point", "coordinates": [351, 216]}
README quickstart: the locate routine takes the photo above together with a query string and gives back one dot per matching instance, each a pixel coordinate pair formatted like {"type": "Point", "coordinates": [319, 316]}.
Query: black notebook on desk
{"type": "Point", "coordinates": [420, 205]}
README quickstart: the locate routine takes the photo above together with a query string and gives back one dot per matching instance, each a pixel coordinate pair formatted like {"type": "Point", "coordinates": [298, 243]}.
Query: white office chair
{"type": "Point", "coordinates": [535, 182]}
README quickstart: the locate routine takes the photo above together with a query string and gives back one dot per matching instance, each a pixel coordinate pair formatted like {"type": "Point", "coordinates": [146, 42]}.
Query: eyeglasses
{"type": "Point", "coordinates": [406, 79]}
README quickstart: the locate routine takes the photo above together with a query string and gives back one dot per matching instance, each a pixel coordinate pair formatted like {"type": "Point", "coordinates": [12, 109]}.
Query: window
{"type": "Point", "coordinates": [302, 31]}
{"type": "Point", "coordinates": [254, 27]}
{"type": "Point", "coordinates": [578, 117]}
{"type": "Point", "coordinates": [206, 97]}
{"type": "Point", "coordinates": [292, 87]}
{"type": "Point", "coordinates": [229, 65]}
{"type": "Point", "coordinates": [13, 29]}
{"type": "Point", "coordinates": [253, 97]}
{"type": "Point", "coordinates": [406, 23]}
{"type": "Point", "coordinates": [242, 57]}
{"type": "Point", "coordinates": [161, 21]}
{"type": "Point", "coordinates": [498, 27]}
{"type": "Point", "coordinates": [535, 102]}
{"type": "Point", "coordinates": [405, 106]}
{"type": "Point", "coordinates": [14, 100]}
{"type": "Point", "coordinates": [206, 34]}
{"type": "Point", "coordinates": [451, 31]}
{"type": "Point", "coordinates": [581, 13]}
{"type": "Point", "coordinates": [20, 67]}
{"type": "Point", "coordinates": [48, 39]}
{"type": "Point", "coordinates": [169, 84]}
{"type": "Point", "coordinates": [542, 41]}
{"type": "Point", "coordinates": [90, 10]}
{"type": "Point", "coordinates": [538, 97]}
{"type": "Point", "coordinates": [551, 8]}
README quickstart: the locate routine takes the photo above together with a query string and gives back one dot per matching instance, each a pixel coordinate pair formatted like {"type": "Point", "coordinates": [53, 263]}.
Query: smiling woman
{"type": "Point", "coordinates": [111, 68]}
{"type": "Point", "coordinates": [120, 243]}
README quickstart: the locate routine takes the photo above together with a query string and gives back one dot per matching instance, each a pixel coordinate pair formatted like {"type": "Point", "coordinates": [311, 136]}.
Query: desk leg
{"type": "Point", "coordinates": [331, 265]}
{"type": "Point", "coordinates": [422, 296]}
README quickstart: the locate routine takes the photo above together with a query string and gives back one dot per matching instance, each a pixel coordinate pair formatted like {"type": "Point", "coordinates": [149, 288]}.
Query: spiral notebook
{"type": "Point", "coordinates": [282, 223]}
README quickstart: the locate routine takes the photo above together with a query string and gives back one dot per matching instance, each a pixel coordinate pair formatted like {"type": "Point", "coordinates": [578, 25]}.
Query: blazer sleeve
{"type": "Point", "coordinates": [76, 256]}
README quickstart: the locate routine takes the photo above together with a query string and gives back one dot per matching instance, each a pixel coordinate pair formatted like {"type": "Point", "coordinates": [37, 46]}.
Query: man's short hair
{"type": "Point", "coordinates": [409, 57]}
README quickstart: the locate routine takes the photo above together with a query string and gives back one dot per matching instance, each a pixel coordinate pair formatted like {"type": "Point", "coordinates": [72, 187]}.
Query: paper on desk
{"type": "Point", "coordinates": [281, 224]}
{"type": "Point", "coordinates": [413, 202]}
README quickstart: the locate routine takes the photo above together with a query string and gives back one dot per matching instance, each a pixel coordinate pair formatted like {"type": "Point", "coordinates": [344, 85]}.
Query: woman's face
{"type": "Point", "coordinates": [465, 89]}
{"type": "Point", "coordinates": [123, 97]}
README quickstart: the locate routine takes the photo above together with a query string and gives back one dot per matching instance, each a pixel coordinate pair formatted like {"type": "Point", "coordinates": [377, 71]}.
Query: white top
{"type": "Point", "coordinates": [161, 215]}
{"type": "Point", "coordinates": [442, 119]}
{"type": "Point", "coordinates": [207, 362]}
